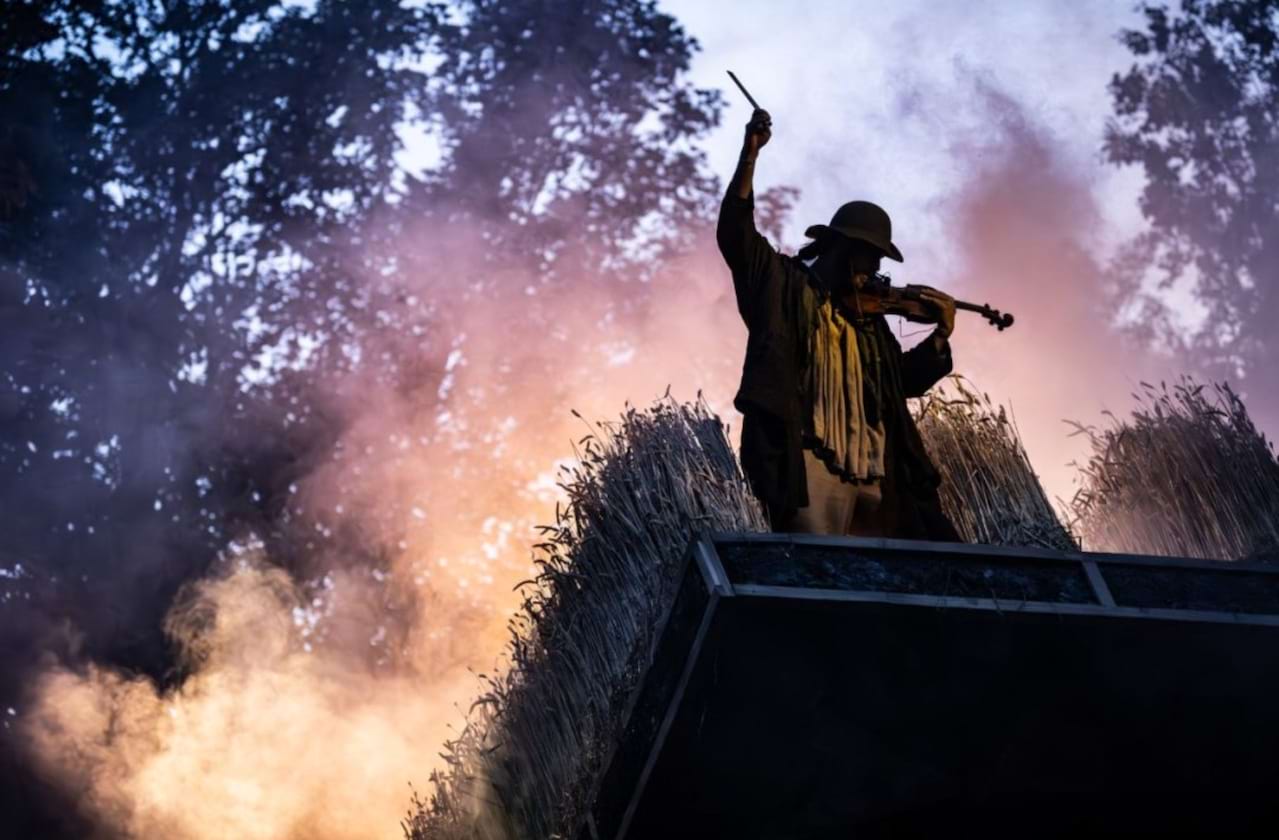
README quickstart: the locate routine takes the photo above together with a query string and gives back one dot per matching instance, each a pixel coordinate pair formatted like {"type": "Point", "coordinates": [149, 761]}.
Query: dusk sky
{"type": "Point", "coordinates": [872, 99]}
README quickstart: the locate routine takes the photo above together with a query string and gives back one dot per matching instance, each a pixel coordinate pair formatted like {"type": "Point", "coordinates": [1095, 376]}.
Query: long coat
{"type": "Point", "coordinates": [775, 301]}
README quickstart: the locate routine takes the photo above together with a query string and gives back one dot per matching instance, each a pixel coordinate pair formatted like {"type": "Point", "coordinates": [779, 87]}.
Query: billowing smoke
{"type": "Point", "coordinates": [305, 711]}
{"type": "Point", "coordinates": [1025, 228]}
{"type": "Point", "coordinates": [264, 739]}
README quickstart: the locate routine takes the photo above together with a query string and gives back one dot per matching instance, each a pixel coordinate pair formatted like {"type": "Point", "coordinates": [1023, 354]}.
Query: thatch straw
{"type": "Point", "coordinates": [525, 762]}
{"type": "Point", "coordinates": [989, 489]}
{"type": "Point", "coordinates": [1187, 475]}
{"type": "Point", "coordinates": [1188, 478]}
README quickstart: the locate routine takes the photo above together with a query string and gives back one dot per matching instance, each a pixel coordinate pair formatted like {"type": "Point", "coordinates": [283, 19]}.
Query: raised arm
{"type": "Point", "coordinates": [758, 132]}
{"type": "Point", "coordinates": [749, 255]}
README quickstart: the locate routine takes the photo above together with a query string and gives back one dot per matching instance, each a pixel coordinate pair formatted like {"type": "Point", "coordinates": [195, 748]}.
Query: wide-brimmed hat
{"type": "Point", "coordinates": [861, 220]}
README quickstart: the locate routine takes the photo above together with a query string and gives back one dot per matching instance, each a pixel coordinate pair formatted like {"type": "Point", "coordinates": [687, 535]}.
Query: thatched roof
{"type": "Point", "coordinates": [526, 762]}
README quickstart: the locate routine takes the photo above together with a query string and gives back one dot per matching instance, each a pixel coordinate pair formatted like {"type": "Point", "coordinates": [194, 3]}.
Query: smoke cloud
{"type": "Point", "coordinates": [264, 740]}
{"type": "Point", "coordinates": [1028, 238]}
{"type": "Point", "coordinates": [306, 711]}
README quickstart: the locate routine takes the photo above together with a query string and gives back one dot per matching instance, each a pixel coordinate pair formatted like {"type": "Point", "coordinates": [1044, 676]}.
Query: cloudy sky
{"type": "Point", "coordinates": [871, 99]}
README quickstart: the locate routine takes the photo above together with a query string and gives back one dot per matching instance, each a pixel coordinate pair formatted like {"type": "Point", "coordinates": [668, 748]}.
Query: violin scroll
{"type": "Point", "coordinates": [997, 319]}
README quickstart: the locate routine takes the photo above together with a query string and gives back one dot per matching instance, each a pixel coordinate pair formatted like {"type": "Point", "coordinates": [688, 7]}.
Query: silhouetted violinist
{"type": "Point", "coordinates": [828, 442]}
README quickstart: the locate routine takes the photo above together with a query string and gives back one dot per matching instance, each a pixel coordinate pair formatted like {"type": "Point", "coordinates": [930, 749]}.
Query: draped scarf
{"type": "Point", "coordinates": [844, 385]}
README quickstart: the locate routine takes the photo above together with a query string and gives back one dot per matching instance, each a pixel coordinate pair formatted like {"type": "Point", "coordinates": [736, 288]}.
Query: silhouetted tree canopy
{"type": "Point", "coordinates": [1197, 112]}
{"type": "Point", "coordinates": [206, 213]}
{"type": "Point", "coordinates": [197, 173]}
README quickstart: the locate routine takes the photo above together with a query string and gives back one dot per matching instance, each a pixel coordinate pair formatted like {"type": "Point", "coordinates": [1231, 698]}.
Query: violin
{"type": "Point", "coordinates": [878, 296]}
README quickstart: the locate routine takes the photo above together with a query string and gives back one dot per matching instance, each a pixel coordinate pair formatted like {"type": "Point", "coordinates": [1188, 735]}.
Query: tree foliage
{"type": "Point", "coordinates": [571, 133]}
{"type": "Point", "coordinates": [207, 224]}
{"type": "Point", "coordinates": [193, 174]}
{"type": "Point", "coordinates": [205, 218]}
{"type": "Point", "coordinates": [1196, 111]}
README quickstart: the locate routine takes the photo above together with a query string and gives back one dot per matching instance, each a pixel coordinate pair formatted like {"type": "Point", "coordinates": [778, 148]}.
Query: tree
{"type": "Point", "coordinates": [182, 166]}
{"type": "Point", "coordinates": [1197, 112]}
{"type": "Point", "coordinates": [205, 233]}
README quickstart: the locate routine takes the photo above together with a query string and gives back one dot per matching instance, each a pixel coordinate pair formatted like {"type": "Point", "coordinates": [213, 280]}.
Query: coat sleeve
{"type": "Point", "coordinates": [750, 257]}
{"type": "Point", "coordinates": [923, 366]}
